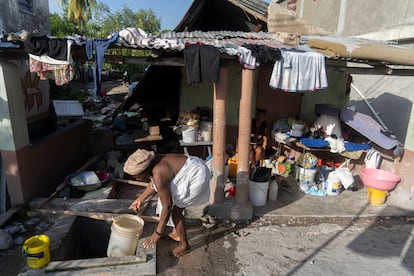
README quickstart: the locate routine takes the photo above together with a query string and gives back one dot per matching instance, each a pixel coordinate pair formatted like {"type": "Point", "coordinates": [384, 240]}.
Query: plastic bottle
{"type": "Point", "coordinates": [273, 190]}
{"type": "Point", "coordinates": [321, 181]}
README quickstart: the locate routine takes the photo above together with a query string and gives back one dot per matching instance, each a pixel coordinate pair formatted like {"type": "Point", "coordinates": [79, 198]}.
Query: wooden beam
{"type": "Point", "coordinates": [94, 215]}
{"type": "Point", "coordinates": [132, 182]}
{"type": "Point", "coordinates": [372, 71]}
{"type": "Point", "coordinates": [81, 264]}
{"type": "Point", "coordinates": [168, 61]}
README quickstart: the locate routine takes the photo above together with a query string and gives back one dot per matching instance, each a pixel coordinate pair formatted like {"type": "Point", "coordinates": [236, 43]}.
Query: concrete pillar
{"type": "Point", "coordinates": [245, 117]}
{"type": "Point", "coordinates": [219, 137]}
{"type": "Point", "coordinates": [14, 135]}
{"type": "Point", "coordinates": [13, 125]}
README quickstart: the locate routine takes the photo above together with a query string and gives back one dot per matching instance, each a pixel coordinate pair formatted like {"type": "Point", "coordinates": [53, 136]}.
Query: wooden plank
{"type": "Point", "coordinates": [170, 61]}
{"type": "Point", "coordinates": [63, 184]}
{"type": "Point", "coordinates": [149, 138]}
{"type": "Point", "coordinates": [94, 215]}
{"type": "Point", "coordinates": [94, 263]}
{"type": "Point", "coordinates": [132, 182]}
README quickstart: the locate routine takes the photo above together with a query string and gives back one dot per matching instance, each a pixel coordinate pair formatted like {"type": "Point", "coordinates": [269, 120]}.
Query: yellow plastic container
{"type": "Point", "coordinates": [232, 167]}
{"type": "Point", "coordinates": [376, 197]}
{"type": "Point", "coordinates": [36, 251]}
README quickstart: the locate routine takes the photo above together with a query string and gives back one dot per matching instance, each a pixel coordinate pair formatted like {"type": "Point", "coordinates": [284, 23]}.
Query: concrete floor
{"type": "Point", "coordinates": [292, 202]}
{"type": "Point", "coordinates": [292, 208]}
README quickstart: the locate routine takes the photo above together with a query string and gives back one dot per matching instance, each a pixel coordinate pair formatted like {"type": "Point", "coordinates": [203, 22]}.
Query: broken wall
{"type": "Point", "coordinates": [16, 16]}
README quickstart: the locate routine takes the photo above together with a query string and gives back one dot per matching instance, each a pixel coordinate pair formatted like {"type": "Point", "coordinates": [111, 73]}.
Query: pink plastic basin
{"type": "Point", "coordinates": [379, 179]}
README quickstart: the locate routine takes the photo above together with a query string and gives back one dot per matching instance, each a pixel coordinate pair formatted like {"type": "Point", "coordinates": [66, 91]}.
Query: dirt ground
{"type": "Point", "coordinates": [267, 246]}
{"type": "Point", "coordinates": [368, 246]}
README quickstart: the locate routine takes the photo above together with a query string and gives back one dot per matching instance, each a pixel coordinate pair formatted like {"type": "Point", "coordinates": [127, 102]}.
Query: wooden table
{"type": "Point", "coordinates": [205, 144]}
{"type": "Point", "coordinates": [152, 139]}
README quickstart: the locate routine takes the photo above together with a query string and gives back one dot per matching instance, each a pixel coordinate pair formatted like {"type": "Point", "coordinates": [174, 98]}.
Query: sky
{"type": "Point", "coordinates": [169, 11]}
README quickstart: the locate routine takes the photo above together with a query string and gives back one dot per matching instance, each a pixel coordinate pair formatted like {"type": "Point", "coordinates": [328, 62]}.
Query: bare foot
{"type": "Point", "coordinates": [180, 250]}
{"type": "Point", "coordinates": [173, 235]}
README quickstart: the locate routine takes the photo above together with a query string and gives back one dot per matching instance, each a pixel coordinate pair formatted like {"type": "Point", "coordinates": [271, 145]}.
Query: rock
{"type": "Point", "coordinates": [6, 241]}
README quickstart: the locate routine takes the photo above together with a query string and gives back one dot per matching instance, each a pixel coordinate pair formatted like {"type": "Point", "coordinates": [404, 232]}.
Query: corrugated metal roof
{"type": "Point", "coordinates": [224, 40]}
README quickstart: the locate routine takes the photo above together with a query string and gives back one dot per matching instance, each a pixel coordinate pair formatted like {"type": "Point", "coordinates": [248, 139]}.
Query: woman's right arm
{"type": "Point", "coordinates": [136, 204]}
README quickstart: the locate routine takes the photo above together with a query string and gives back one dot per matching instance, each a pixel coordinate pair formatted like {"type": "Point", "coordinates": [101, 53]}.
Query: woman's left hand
{"type": "Point", "coordinates": [151, 241]}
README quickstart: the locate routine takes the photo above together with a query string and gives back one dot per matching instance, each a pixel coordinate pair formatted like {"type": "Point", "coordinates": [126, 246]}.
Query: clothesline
{"type": "Point", "coordinates": [294, 70]}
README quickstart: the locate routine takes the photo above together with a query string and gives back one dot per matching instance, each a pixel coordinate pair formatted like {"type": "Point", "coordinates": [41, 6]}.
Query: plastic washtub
{"type": "Point", "coordinates": [379, 179]}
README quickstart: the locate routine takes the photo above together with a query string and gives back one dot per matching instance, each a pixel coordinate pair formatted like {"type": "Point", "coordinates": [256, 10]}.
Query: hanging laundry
{"type": "Point", "coordinates": [264, 54]}
{"type": "Point", "coordinates": [98, 48]}
{"type": "Point", "coordinates": [299, 71]}
{"type": "Point", "coordinates": [61, 73]}
{"type": "Point", "coordinates": [131, 37]}
{"type": "Point", "coordinates": [56, 48]}
{"type": "Point", "coordinates": [202, 63]}
{"type": "Point", "coordinates": [246, 58]}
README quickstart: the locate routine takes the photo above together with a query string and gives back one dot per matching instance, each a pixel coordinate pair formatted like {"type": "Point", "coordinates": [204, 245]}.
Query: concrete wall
{"type": "Point", "coordinates": [13, 19]}
{"type": "Point", "coordinates": [197, 95]}
{"type": "Point", "coordinates": [390, 96]}
{"type": "Point", "coordinates": [37, 169]}
{"type": "Point", "coordinates": [355, 17]}
{"type": "Point", "coordinates": [13, 130]}
{"type": "Point", "coordinates": [335, 94]}
{"type": "Point", "coordinates": [277, 103]}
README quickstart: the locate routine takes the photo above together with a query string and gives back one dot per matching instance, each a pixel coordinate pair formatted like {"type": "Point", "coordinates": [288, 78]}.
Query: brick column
{"type": "Point", "coordinates": [219, 137]}
{"type": "Point", "coordinates": [242, 181]}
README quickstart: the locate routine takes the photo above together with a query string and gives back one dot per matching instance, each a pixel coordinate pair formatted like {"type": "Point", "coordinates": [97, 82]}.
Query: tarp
{"type": "Point", "coordinates": [368, 127]}
{"type": "Point", "coordinates": [363, 124]}
{"type": "Point", "coordinates": [362, 49]}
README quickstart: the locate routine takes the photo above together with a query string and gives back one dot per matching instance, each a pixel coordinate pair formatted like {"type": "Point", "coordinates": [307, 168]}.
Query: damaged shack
{"type": "Point", "coordinates": [202, 90]}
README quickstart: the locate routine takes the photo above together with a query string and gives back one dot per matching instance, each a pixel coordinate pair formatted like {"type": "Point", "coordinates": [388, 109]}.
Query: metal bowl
{"type": "Point", "coordinates": [85, 188]}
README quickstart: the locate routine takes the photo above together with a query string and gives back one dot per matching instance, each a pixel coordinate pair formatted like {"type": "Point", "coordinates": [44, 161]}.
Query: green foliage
{"type": "Point", "coordinates": [80, 11]}
{"type": "Point", "coordinates": [61, 26]}
{"type": "Point", "coordinates": [95, 20]}
{"type": "Point", "coordinates": [67, 92]}
{"type": "Point", "coordinates": [124, 18]}
{"type": "Point", "coordinates": [99, 22]}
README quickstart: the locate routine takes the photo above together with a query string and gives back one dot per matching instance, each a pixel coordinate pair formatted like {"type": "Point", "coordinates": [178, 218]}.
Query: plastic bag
{"type": "Point", "coordinates": [345, 177]}
{"type": "Point", "coordinates": [85, 178]}
{"type": "Point", "coordinates": [307, 160]}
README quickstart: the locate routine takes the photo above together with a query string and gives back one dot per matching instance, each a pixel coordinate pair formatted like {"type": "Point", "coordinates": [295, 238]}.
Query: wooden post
{"type": "Point", "coordinates": [245, 117]}
{"type": "Point", "coordinates": [219, 137]}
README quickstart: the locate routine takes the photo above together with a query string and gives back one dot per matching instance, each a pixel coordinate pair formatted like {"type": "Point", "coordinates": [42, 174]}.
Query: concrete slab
{"type": "Point", "coordinates": [144, 263]}
{"type": "Point", "coordinates": [230, 209]}
{"type": "Point", "coordinates": [59, 231]}
{"type": "Point", "coordinates": [292, 202]}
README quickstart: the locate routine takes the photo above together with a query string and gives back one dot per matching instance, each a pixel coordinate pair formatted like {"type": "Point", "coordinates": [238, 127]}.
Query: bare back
{"type": "Point", "coordinates": [169, 165]}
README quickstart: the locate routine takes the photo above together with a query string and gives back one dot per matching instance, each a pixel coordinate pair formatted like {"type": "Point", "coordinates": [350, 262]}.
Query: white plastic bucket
{"type": "Point", "coordinates": [125, 233]}
{"type": "Point", "coordinates": [333, 184]}
{"type": "Point", "coordinates": [206, 129]}
{"type": "Point", "coordinates": [189, 134]}
{"type": "Point", "coordinates": [258, 192]}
